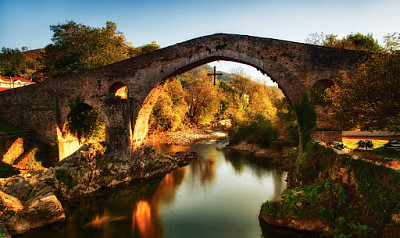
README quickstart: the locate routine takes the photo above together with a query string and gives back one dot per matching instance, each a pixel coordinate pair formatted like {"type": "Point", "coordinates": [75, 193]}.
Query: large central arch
{"type": "Point", "coordinates": [294, 66]}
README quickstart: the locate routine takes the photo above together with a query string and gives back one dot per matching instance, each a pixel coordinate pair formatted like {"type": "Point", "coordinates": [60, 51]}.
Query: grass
{"type": "Point", "coordinates": [5, 127]}
{"type": "Point", "coordinates": [352, 143]}
{"type": "Point", "coordinates": [379, 148]}
{"type": "Point", "coordinates": [386, 152]}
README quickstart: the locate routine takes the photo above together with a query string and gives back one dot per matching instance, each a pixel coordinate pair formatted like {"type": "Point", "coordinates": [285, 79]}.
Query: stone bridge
{"type": "Point", "coordinates": [43, 107]}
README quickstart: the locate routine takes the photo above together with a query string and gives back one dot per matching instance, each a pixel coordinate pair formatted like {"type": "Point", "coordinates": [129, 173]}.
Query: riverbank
{"type": "Point", "coordinates": [339, 196]}
{"type": "Point", "coordinates": [34, 199]}
{"type": "Point", "coordinates": [284, 159]}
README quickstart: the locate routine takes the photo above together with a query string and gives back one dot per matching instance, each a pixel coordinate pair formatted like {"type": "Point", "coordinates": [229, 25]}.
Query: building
{"type": "Point", "coordinates": [8, 82]}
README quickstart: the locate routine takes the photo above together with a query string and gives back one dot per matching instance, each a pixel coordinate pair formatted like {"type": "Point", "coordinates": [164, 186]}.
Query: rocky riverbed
{"type": "Point", "coordinates": [185, 137]}
{"type": "Point", "coordinates": [32, 200]}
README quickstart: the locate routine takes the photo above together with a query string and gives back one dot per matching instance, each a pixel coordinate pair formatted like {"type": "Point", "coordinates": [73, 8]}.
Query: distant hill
{"type": "Point", "coordinates": [34, 55]}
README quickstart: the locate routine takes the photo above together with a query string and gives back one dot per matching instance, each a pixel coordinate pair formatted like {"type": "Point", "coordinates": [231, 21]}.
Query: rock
{"type": "Point", "coordinates": [9, 203]}
{"type": "Point", "coordinates": [311, 224]}
{"type": "Point", "coordinates": [30, 200]}
{"type": "Point", "coordinates": [42, 209]}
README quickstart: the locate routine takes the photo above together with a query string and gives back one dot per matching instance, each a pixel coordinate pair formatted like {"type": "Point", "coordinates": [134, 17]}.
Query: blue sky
{"type": "Point", "coordinates": [26, 22]}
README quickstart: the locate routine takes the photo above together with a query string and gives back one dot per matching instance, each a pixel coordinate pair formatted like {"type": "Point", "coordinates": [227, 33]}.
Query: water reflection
{"type": "Point", "coordinates": [217, 195]}
{"type": "Point", "coordinates": [104, 220]}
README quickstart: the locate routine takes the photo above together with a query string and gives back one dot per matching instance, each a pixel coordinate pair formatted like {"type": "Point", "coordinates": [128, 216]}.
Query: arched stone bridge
{"type": "Point", "coordinates": [43, 107]}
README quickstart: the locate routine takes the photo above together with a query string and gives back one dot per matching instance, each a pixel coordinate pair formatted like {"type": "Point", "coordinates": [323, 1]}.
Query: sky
{"type": "Point", "coordinates": [26, 22]}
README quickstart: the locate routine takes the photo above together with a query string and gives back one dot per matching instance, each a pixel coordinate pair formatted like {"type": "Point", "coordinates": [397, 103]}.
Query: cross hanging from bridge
{"type": "Point", "coordinates": [214, 74]}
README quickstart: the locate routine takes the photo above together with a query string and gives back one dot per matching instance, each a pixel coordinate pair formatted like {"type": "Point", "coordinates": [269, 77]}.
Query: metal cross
{"type": "Point", "coordinates": [214, 74]}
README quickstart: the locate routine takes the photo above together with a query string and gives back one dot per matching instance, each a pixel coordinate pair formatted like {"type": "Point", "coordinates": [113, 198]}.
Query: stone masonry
{"type": "Point", "coordinates": [43, 107]}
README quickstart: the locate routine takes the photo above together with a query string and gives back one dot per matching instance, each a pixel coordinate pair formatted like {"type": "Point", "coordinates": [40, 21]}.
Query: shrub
{"type": "Point", "coordinates": [314, 160]}
{"type": "Point", "coordinates": [258, 130]}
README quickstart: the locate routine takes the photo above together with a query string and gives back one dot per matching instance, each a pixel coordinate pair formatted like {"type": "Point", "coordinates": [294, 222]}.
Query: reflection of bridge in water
{"type": "Point", "coordinates": [43, 107]}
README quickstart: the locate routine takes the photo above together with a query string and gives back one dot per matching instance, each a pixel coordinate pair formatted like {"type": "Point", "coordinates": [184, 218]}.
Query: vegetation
{"type": "Point", "coordinates": [13, 62]}
{"type": "Point", "coordinates": [367, 98]}
{"type": "Point", "coordinates": [258, 130]}
{"type": "Point", "coordinates": [349, 211]}
{"type": "Point", "coordinates": [353, 41]}
{"type": "Point", "coordinates": [169, 113]}
{"type": "Point", "coordinates": [256, 110]}
{"type": "Point", "coordinates": [84, 121]}
{"type": "Point", "coordinates": [77, 47]}
{"type": "Point", "coordinates": [306, 118]}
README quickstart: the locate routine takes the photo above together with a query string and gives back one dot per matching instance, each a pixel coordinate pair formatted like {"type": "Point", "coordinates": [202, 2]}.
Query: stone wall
{"type": "Point", "coordinates": [326, 136]}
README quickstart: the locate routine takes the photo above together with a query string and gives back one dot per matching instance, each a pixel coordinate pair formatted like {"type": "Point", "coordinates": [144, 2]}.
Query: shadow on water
{"type": "Point", "coordinates": [217, 195]}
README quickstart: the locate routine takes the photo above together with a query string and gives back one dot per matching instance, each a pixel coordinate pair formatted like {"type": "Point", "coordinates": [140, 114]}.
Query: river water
{"type": "Point", "coordinates": [219, 195]}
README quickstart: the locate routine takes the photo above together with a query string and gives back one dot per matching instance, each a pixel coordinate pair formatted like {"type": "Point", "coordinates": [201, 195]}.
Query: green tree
{"type": "Point", "coordinates": [12, 62]}
{"type": "Point", "coordinates": [144, 49]}
{"type": "Point", "coordinates": [77, 47]}
{"type": "Point", "coordinates": [286, 122]}
{"type": "Point", "coordinates": [84, 121]}
{"type": "Point", "coordinates": [392, 42]}
{"type": "Point", "coordinates": [306, 119]}
{"type": "Point", "coordinates": [353, 41]}
{"type": "Point", "coordinates": [368, 97]}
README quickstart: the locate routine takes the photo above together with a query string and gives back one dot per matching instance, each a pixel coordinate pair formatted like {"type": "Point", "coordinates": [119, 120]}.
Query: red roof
{"type": "Point", "coordinates": [23, 79]}
{"type": "Point", "coordinates": [3, 89]}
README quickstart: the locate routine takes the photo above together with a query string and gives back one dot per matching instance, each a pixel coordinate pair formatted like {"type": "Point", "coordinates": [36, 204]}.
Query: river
{"type": "Point", "coordinates": [219, 195]}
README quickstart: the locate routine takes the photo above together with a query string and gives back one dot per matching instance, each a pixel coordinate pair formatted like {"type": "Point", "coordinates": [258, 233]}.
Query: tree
{"type": "Point", "coordinates": [145, 49]}
{"type": "Point", "coordinates": [201, 97]}
{"type": "Point", "coordinates": [368, 97]}
{"type": "Point", "coordinates": [169, 112]}
{"type": "Point", "coordinates": [306, 119]}
{"type": "Point", "coordinates": [392, 42]}
{"type": "Point", "coordinates": [352, 41]}
{"type": "Point", "coordinates": [84, 121]}
{"type": "Point", "coordinates": [77, 47]}
{"type": "Point", "coordinates": [12, 62]}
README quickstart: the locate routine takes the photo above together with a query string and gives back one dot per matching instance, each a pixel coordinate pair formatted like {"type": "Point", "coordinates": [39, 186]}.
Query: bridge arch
{"type": "Point", "coordinates": [140, 128]}
{"type": "Point", "coordinates": [83, 114]}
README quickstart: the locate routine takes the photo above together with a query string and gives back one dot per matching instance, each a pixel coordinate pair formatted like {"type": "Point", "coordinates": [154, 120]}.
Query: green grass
{"type": "Point", "coordinates": [352, 143]}
{"type": "Point", "coordinates": [5, 127]}
{"type": "Point", "coordinates": [385, 152]}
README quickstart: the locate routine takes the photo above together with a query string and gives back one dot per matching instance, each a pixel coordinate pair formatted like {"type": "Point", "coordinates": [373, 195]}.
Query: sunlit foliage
{"type": "Point", "coordinates": [368, 98]}
{"type": "Point", "coordinates": [353, 41]}
{"type": "Point", "coordinates": [192, 99]}
{"type": "Point", "coordinates": [169, 113]}
{"type": "Point", "coordinates": [77, 47]}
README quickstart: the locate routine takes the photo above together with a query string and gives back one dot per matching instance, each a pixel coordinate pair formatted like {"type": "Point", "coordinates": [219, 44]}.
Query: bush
{"type": "Point", "coordinates": [314, 160]}
{"type": "Point", "coordinates": [258, 130]}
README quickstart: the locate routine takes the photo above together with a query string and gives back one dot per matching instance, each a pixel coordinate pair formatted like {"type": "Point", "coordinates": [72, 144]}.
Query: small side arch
{"type": "Point", "coordinates": [118, 90]}
{"type": "Point", "coordinates": [321, 91]}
